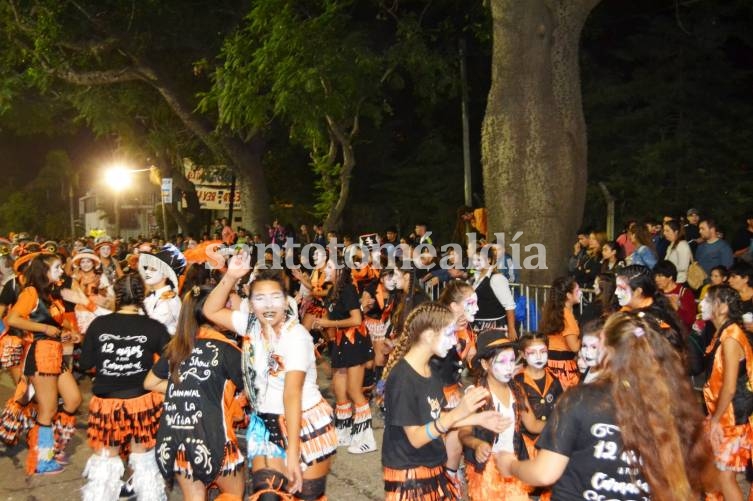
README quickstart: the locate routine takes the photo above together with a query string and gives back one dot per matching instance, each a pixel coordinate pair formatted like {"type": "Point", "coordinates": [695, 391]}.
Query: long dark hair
{"type": "Point", "coordinates": [36, 275]}
{"type": "Point", "coordinates": [190, 319]}
{"type": "Point", "coordinates": [656, 410]}
{"type": "Point", "coordinates": [553, 311]}
{"type": "Point", "coordinates": [676, 227]}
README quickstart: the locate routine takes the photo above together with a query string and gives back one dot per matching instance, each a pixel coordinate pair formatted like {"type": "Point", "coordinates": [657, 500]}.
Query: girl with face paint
{"type": "Point", "coordinates": [312, 306]}
{"type": "Point", "coordinates": [729, 371]}
{"type": "Point", "coordinates": [559, 324]}
{"type": "Point", "coordinates": [413, 452]}
{"type": "Point", "coordinates": [624, 428]}
{"type": "Point", "coordinates": [541, 387]}
{"type": "Point", "coordinates": [291, 438]}
{"type": "Point", "coordinates": [497, 358]}
{"type": "Point", "coordinates": [463, 302]}
{"type": "Point", "coordinates": [96, 296]}
{"type": "Point", "coordinates": [636, 291]}
{"type": "Point", "coordinates": [378, 300]}
{"type": "Point", "coordinates": [40, 312]}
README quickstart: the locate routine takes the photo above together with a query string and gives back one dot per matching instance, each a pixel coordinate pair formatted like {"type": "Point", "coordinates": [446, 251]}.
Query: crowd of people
{"type": "Point", "coordinates": [643, 392]}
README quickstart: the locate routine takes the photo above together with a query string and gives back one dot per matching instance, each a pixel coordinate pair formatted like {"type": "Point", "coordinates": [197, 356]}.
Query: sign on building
{"type": "Point", "coordinates": [212, 187]}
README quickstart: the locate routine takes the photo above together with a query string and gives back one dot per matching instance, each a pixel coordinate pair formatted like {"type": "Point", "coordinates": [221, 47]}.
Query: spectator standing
{"type": "Point", "coordinates": [678, 252]}
{"type": "Point", "coordinates": [692, 232]}
{"type": "Point", "coordinates": [713, 251]}
{"type": "Point", "coordinates": [742, 245]}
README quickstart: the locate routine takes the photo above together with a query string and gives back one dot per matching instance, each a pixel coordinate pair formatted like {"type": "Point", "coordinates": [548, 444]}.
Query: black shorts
{"type": "Point", "coordinates": [348, 354]}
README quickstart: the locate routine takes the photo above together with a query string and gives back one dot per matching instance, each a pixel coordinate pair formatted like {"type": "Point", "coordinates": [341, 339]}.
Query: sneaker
{"type": "Point", "coordinates": [48, 467]}
{"type": "Point", "coordinates": [363, 448]}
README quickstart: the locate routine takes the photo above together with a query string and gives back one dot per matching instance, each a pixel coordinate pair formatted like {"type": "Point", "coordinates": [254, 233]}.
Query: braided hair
{"type": "Point", "coordinates": [428, 316]}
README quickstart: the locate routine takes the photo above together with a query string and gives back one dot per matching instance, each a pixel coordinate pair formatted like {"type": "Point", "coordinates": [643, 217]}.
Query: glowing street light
{"type": "Point", "coordinates": [118, 177]}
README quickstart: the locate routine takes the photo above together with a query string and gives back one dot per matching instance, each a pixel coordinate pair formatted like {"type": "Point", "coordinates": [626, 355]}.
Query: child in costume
{"type": "Point", "coordinates": [41, 312]}
{"type": "Point", "coordinates": [497, 359]}
{"type": "Point", "coordinates": [160, 273]}
{"type": "Point", "coordinates": [413, 453]}
{"type": "Point", "coordinates": [200, 374]}
{"type": "Point", "coordinates": [291, 438]}
{"type": "Point", "coordinates": [123, 416]}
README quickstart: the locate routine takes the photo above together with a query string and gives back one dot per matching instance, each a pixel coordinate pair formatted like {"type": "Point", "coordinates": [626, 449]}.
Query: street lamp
{"type": "Point", "coordinates": [119, 177]}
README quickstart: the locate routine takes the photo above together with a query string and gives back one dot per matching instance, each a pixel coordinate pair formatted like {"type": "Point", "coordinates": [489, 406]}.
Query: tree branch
{"type": "Point", "coordinates": [104, 77]}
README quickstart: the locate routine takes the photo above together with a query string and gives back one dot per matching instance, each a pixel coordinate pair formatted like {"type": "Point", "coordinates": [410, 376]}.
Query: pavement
{"type": "Point", "coordinates": [353, 477]}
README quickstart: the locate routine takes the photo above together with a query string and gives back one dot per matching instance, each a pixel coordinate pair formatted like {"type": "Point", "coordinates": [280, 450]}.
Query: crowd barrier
{"type": "Point", "coordinates": [529, 299]}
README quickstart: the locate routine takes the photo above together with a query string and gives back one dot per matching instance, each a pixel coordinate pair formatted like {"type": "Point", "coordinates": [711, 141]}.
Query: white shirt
{"type": "Point", "coordinates": [504, 440]}
{"type": "Point", "coordinates": [680, 256]}
{"type": "Point", "coordinates": [163, 305]}
{"type": "Point", "coordinates": [293, 351]}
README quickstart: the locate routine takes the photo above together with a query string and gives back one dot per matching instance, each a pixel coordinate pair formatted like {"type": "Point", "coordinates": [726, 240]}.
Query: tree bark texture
{"type": "Point", "coordinates": [533, 142]}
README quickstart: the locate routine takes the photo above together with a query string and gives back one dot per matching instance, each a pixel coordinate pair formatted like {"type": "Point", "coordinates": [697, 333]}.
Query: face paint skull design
{"type": "Point", "coordinates": [590, 350]}
{"type": "Point", "coordinates": [537, 355]}
{"type": "Point", "coordinates": [623, 292]}
{"type": "Point", "coordinates": [503, 366]}
{"type": "Point", "coordinates": [470, 307]}
{"type": "Point", "coordinates": [706, 308]}
{"type": "Point", "coordinates": [152, 276]}
{"type": "Point", "coordinates": [447, 341]}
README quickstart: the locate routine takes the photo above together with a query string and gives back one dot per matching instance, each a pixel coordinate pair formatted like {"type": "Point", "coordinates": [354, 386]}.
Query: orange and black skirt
{"type": "Point", "coordinates": [564, 367]}
{"type": "Point", "coordinates": [350, 348]}
{"type": "Point", "coordinates": [116, 422]}
{"type": "Point", "coordinates": [318, 437]}
{"type": "Point", "coordinates": [490, 484]}
{"type": "Point", "coordinates": [11, 351]}
{"type": "Point", "coordinates": [45, 358]}
{"type": "Point", "coordinates": [422, 483]}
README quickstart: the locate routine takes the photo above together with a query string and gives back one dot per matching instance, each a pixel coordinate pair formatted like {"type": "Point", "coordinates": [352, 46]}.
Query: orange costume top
{"type": "Point", "coordinates": [562, 361]}
{"type": "Point", "coordinates": [713, 386]}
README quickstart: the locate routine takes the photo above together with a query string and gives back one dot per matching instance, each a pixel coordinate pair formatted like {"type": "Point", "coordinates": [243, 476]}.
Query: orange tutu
{"type": "Point", "coordinates": [490, 484]}
{"type": "Point", "coordinates": [115, 422]}
{"type": "Point", "coordinates": [45, 358]}
{"type": "Point", "coordinates": [11, 351]}
{"type": "Point", "coordinates": [418, 484]}
{"type": "Point", "coordinates": [19, 414]}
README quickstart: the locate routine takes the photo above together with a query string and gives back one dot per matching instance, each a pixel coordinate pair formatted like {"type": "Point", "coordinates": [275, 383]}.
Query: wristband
{"type": "Point", "coordinates": [427, 429]}
{"type": "Point", "coordinates": [438, 427]}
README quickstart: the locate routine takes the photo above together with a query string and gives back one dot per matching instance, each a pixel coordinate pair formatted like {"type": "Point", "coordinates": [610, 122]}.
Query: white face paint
{"type": "Point", "coordinates": [320, 257]}
{"type": "Point", "coordinates": [105, 251]}
{"type": "Point", "coordinates": [577, 294]}
{"type": "Point", "coordinates": [623, 292]}
{"type": "Point", "coordinates": [706, 308]}
{"type": "Point", "coordinates": [390, 281]}
{"type": "Point", "coordinates": [400, 280]}
{"type": "Point", "coordinates": [86, 264]}
{"type": "Point", "coordinates": [479, 262]}
{"type": "Point", "coordinates": [537, 355]}
{"type": "Point", "coordinates": [56, 271]}
{"type": "Point", "coordinates": [268, 302]}
{"type": "Point", "coordinates": [590, 350]}
{"type": "Point", "coordinates": [470, 307]}
{"type": "Point", "coordinates": [503, 366]}
{"type": "Point", "coordinates": [446, 342]}
{"type": "Point", "coordinates": [152, 276]}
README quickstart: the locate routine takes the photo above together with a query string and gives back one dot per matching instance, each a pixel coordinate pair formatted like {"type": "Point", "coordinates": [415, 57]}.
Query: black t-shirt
{"type": "Point", "coordinates": [10, 291]}
{"type": "Point", "coordinates": [584, 429]}
{"type": "Point", "coordinates": [411, 400]}
{"type": "Point", "coordinates": [122, 348]}
{"type": "Point", "coordinates": [348, 300]}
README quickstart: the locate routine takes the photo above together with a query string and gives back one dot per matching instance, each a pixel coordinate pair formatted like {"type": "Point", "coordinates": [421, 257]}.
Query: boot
{"type": "Point", "coordinates": [147, 480]}
{"type": "Point", "coordinates": [361, 434]}
{"type": "Point", "coordinates": [40, 460]}
{"type": "Point", "coordinates": [343, 423]}
{"type": "Point", "coordinates": [103, 474]}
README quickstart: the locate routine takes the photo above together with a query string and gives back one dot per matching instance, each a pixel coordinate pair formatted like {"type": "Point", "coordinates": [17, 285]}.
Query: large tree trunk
{"type": "Point", "coordinates": [533, 135]}
{"type": "Point", "coordinates": [247, 160]}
